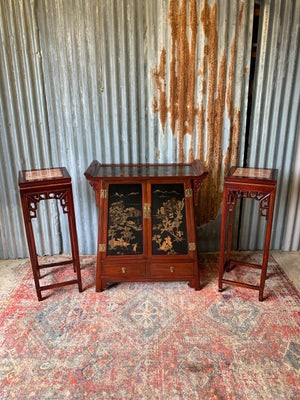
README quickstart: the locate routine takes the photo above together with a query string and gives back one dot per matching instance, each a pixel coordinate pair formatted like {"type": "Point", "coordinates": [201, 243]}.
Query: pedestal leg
{"type": "Point", "coordinates": [229, 234]}
{"type": "Point", "coordinates": [31, 247]}
{"type": "Point", "coordinates": [222, 244]}
{"type": "Point", "coordinates": [267, 246]}
{"type": "Point", "coordinates": [74, 241]}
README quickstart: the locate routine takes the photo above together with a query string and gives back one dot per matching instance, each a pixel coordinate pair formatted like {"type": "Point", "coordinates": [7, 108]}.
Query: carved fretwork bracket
{"type": "Point", "coordinates": [264, 200]}
{"type": "Point", "coordinates": [96, 187]}
{"type": "Point", "coordinates": [31, 201]}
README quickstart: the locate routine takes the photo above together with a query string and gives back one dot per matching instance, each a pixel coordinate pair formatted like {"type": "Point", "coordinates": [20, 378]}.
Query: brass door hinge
{"type": "Point", "coordinates": [103, 193]}
{"type": "Point", "coordinates": [192, 246]}
{"type": "Point", "coordinates": [102, 248]}
{"type": "Point", "coordinates": [147, 210]}
{"type": "Point", "coordinates": [188, 192]}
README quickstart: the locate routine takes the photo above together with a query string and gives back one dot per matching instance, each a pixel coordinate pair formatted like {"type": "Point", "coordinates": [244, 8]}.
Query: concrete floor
{"type": "Point", "coordinates": [11, 270]}
{"type": "Point", "coordinates": [289, 261]}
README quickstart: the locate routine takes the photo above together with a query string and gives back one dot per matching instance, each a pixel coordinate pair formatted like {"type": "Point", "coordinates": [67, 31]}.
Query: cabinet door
{"type": "Point", "coordinates": [125, 220]}
{"type": "Point", "coordinates": [169, 230]}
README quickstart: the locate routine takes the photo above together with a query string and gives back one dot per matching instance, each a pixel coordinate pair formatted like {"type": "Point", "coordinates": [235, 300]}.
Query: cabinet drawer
{"type": "Point", "coordinates": [171, 269]}
{"type": "Point", "coordinates": [123, 269]}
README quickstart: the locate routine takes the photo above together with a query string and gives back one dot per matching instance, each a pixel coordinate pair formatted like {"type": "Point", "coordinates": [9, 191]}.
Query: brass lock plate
{"type": "Point", "coordinates": [147, 210]}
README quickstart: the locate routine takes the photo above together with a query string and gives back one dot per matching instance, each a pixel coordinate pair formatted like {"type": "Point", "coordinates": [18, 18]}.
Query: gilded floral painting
{"type": "Point", "coordinates": [125, 220]}
{"type": "Point", "coordinates": [169, 233]}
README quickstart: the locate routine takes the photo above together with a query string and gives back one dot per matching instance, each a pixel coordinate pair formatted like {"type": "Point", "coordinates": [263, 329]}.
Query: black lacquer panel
{"type": "Point", "coordinates": [169, 232]}
{"type": "Point", "coordinates": [125, 220]}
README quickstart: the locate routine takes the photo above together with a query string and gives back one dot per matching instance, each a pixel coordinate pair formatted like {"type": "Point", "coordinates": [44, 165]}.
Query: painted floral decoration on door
{"type": "Point", "coordinates": [125, 222]}
{"type": "Point", "coordinates": [169, 234]}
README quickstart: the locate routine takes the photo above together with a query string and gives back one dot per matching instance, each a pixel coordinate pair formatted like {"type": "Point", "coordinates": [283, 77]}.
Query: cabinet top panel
{"type": "Point", "coordinates": [97, 171]}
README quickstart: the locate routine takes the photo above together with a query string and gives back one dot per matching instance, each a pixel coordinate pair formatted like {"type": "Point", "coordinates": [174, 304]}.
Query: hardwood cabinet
{"type": "Point", "coordinates": [146, 229]}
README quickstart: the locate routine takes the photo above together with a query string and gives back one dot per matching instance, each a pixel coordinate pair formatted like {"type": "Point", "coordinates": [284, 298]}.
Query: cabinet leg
{"type": "Point", "coordinates": [196, 285]}
{"type": "Point", "coordinates": [99, 286]}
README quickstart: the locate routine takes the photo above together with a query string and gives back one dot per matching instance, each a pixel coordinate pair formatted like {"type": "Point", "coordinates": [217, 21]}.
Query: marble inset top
{"type": "Point", "coordinates": [253, 173]}
{"type": "Point", "coordinates": [41, 174]}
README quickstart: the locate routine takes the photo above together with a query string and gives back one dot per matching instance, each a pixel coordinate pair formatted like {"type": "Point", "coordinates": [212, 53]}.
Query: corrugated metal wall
{"type": "Point", "coordinates": [274, 120]}
{"type": "Point", "coordinates": [25, 139]}
{"type": "Point", "coordinates": [291, 238]}
{"type": "Point", "coordinates": [140, 81]}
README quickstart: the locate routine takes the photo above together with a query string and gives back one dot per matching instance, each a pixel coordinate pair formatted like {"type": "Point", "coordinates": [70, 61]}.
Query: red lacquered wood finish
{"type": "Point", "coordinates": [146, 266]}
{"type": "Point", "coordinates": [257, 184]}
{"type": "Point", "coordinates": [44, 184]}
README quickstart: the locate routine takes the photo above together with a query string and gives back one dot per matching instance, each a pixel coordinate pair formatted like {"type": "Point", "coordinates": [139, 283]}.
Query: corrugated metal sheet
{"type": "Point", "coordinates": [137, 81]}
{"type": "Point", "coordinates": [291, 238]}
{"type": "Point", "coordinates": [275, 115]}
{"type": "Point", "coordinates": [25, 140]}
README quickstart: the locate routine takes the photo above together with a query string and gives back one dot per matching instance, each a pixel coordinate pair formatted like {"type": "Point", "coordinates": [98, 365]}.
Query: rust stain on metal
{"type": "Point", "coordinates": [241, 17]}
{"type": "Point", "coordinates": [229, 99]}
{"type": "Point", "coordinates": [182, 74]}
{"type": "Point", "coordinates": [183, 70]}
{"type": "Point", "coordinates": [154, 105]}
{"type": "Point", "coordinates": [181, 106]}
{"type": "Point", "coordinates": [231, 155]}
{"type": "Point", "coordinates": [159, 76]}
{"type": "Point", "coordinates": [202, 72]}
{"type": "Point", "coordinates": [211, 195]}
{"type": "Point", "coordinates": [215, 94]}
{"type": "Point", "coordinates": [201, 131]}
{"type": "Point", "coordinates": [219, 117]}
{"type": "Point", "coordinates": [209, 23]}
{"type": "Point", "coordinates": [233, 113]}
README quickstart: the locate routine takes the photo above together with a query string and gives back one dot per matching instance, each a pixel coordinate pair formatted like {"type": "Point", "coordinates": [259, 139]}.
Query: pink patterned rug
{"type": "Point", "coordinates": [143, 341]}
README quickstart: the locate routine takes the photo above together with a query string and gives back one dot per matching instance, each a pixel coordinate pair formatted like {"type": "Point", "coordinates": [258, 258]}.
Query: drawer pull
{"type": "Point", "coordinates": [171, 269]}
{"type": "Point", "coordinates": [123, 270]}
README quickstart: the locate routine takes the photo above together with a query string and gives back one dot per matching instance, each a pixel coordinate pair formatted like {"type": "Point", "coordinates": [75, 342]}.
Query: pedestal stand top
{"type": "Point", "coordinates": [252, 175]}
{"type": "Point", "coordinates": [35, 177]}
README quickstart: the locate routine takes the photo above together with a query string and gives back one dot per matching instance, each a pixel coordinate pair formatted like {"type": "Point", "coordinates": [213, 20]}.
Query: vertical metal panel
{"type": "Point", "coordinates": [235, 20]}
{"type": "Point", "coordinates": [23, 123]}
{"type": "Point", "coordinates": [68, 33]}
{"type": "Point", "coordinates": [291, 238]}
{"type": "Point", "coordinates": [89, 123]}
{"type": "Point", "coordinates": [200, 93]}
{"type": "Point", "coordinates": [275, 113]}
{"type": "Point", "coordinates": [57, 55]}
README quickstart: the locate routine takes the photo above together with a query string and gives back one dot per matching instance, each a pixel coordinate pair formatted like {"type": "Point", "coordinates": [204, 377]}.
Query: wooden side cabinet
{"type": "Point", "coordinates": [146, 229]}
